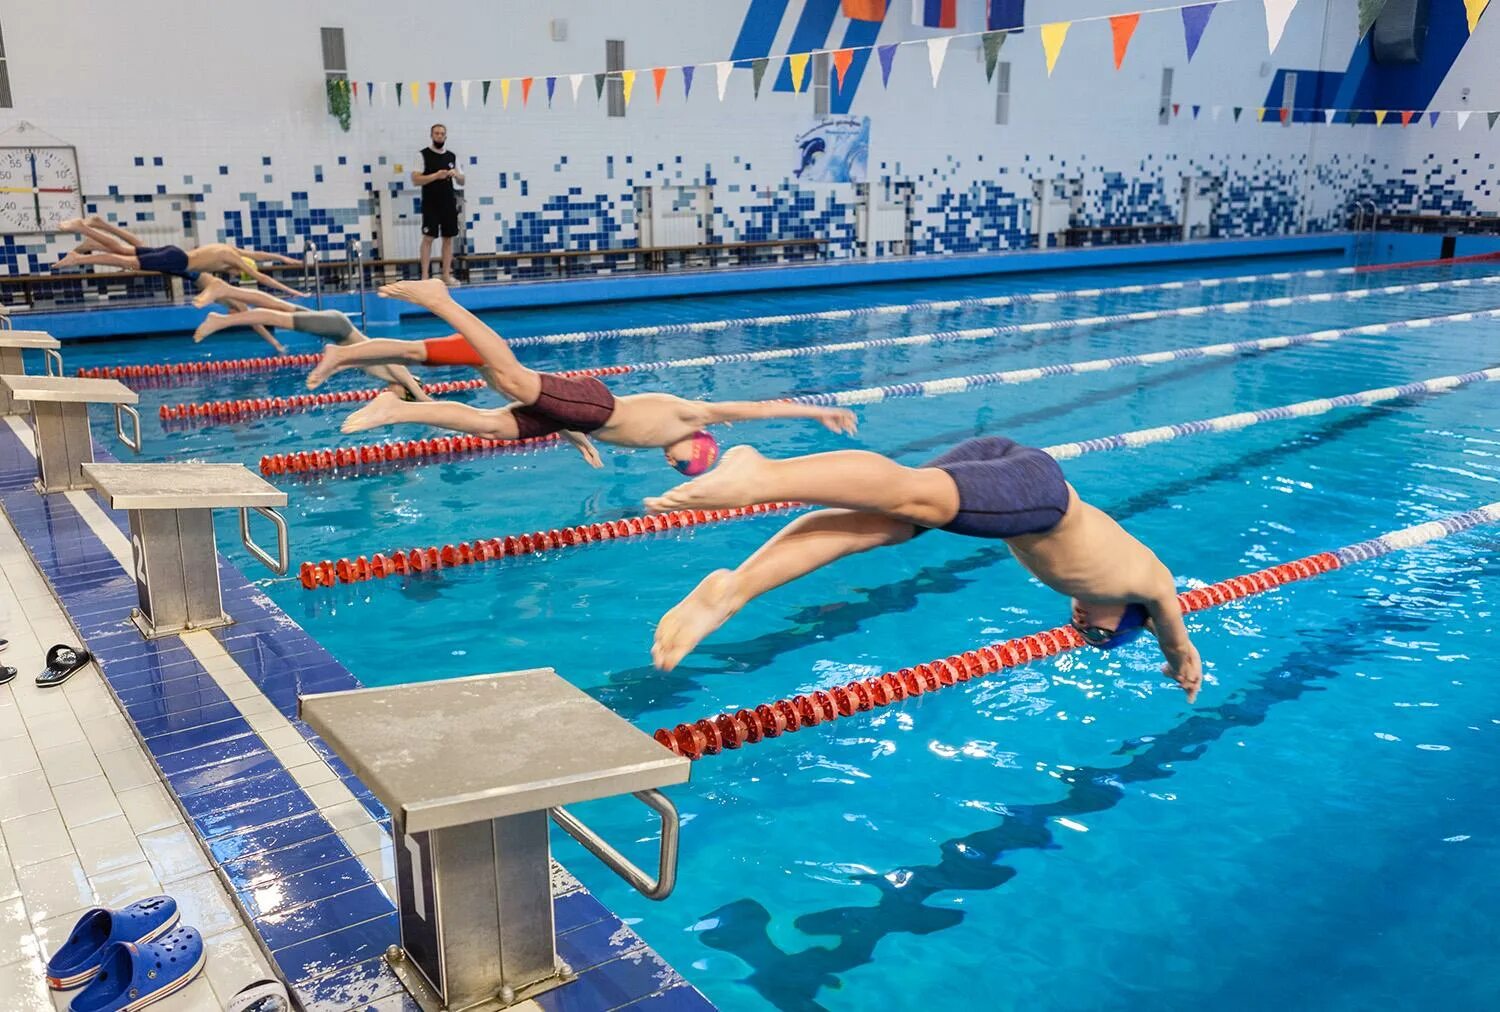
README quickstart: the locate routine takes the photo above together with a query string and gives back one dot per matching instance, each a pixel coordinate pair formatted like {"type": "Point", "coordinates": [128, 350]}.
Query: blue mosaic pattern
{"type": "Point", "coordinates": [326, 922]}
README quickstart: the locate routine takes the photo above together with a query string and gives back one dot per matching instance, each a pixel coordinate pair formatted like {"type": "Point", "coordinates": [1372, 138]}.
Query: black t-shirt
{"type": "Point", "coordinates": [439, 192]}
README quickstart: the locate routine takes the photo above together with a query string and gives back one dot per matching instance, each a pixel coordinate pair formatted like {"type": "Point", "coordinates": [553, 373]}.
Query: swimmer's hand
{"type": "Point", "coordinates": [1186, 669]}
{"type": "Point", "coordinates": [840, 420]}
{"type": "Point", "coordinates": [584, 445]}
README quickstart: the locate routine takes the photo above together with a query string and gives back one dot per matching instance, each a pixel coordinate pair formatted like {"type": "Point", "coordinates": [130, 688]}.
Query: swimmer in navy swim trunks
{"type": "Point", "coordinates": [574, 407]}
{"type": "Point", "coordinates": [982, 488]}
{"type": "Point", "coordinates": [111, 246]}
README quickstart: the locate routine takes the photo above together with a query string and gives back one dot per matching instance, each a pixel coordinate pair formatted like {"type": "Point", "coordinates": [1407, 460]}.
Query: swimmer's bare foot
{"type": "Point", "coordinates": [712, 603]}
{"type": "Point", "coordinates": [71, 225]}
{"type": "Point", "coordinates": [735, 482]}
{"type": "Point", "coordinates": [212, 324]}
{"type": "Point", "coordinates": [331, 362]}
{"type": "Point", "coordinates": [72, 259]}
{"type": "Point", "coordinates": [419, 293]}
{"type": "Point", "coordinates": [385, 409]}
{"type": "Point", "coordinates": [211, 290]}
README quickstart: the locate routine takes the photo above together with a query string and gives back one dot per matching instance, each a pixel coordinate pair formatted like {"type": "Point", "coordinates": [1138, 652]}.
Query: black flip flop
{"type": "Point", "coordinates": [63, 662]}
{"type": "Point", "coordinates": [7, 674]}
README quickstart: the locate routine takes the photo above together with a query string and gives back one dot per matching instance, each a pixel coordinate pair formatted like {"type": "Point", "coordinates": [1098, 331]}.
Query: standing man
{"type": "Point", "coordinates": [439, 202]}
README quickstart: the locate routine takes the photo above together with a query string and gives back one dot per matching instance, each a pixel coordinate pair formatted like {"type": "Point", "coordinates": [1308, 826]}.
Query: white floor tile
{"type": "Point", "coordinates": [106, 846]}
{"type": "Point", "coordinates": [15, 932]}
{"type": "Point", "coordinates": [124, 886]}
{"type": "Point", "coordinates": [174, 854]}
{"type": "Point", "coordinates": [365, 837]}
{"type": "Point", "coordinates": [68, 763]}
{"type": "Point", "coordinates": [331, 794]}
{"type": "Point", "coordinates": [25, 794]}
{"type": "Point", "coordinates": [8, 887]}
{"type": "Point", "coordinates": [12, 724]}
{"type": "Point", "coordinates": [53, 729]}
{"type": "Point", "coordinates": [234, 960]}
{"type": "Point", "coordinates": [56, 887]}
{"type": "Point", "coordinates": [24, 985]}
{"type": "Point", "coordinates": [298, 754]}
{"type": "Point", "coordinates": [86, 801]}
{"type": "Point", "coordinates": [108, 732]}
{"type": "Point", "coordinates": [18, 756]}
{"type": "Point", "coordinates": [149, 808]}
{"type": "Point", "coordinates": [205, 905]}
{"type": "Point", "coordinates": [34, 838]}
{"type": "Point", "coordinates": [127, 768]}
{"type": "Point", "coordinates": [311, 774]}
{"type": "Point", "coordinates": [347, 815]}
{"type": "Point", "coordinates": [34, 702]}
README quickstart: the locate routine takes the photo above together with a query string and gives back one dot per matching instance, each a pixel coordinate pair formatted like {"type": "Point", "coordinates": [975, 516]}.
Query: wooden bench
{"type": "Point", "coordinates": [1114, 235]}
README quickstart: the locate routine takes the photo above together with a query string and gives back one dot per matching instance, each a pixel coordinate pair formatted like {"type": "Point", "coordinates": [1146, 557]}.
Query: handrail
{"type": "Point", "coordinates": [658, 888]}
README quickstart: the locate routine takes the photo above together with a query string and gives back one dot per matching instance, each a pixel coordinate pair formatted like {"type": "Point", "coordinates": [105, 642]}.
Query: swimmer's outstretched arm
{"type": "Point", "coordinates": [266, 279]}
{"type": "Point", "coordinates": [1183, 666]}
{"type": "Point", "coordinates": [215, 289]}
{"type": "Point", "coordinates": [261, 256]}
{"type": "Point", "coordinates": [835, 419]}
{"type": "Point", "coordinates": [807, 543]}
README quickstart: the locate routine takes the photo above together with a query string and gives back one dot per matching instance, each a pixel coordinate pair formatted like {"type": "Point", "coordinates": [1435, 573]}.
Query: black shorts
{"type": "Point", "coordinates": [440, 221]}
{"type": "Point", "coordinates": [1004, 489]}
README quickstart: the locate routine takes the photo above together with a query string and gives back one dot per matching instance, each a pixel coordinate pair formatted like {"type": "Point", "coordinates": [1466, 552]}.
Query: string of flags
{"type": "Point", "coordinates": [1313, 114]}
{"type": "Point", "coordinates": [1002, 19]}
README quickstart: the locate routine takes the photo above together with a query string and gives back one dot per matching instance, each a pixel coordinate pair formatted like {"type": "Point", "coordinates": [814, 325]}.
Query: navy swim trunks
{"type": "Point", "coordinates": [1004, 489]}
{"type": "Point", "coordinates": [163, 259]}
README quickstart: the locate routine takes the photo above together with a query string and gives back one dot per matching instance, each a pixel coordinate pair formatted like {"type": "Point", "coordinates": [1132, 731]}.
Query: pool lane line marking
{"type": "Point", "coordinates": [727, 731]}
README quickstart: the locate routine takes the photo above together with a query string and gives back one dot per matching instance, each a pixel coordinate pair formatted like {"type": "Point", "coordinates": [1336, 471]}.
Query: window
{"type": "Point", "coordinates": [5, 102]}
{"type": "Point", "coordinates": [335, 64]}
{"type": "Point", "coordinates": [614, 84]}
{"type": "Point", "coordinates": [820, 90]}
{"type": "Point", "coordinates": [1289, 98]}
{"type": "Point", "coordinates": [1164, 113]}
{"type": "Point", "coordinates": [1002, 93]}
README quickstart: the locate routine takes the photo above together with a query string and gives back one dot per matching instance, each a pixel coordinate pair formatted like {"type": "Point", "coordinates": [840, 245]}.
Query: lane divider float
{"type": "Point", "coordinates": [420, 560]}
{"type": "Point", "coordinates": [746, 726]}
{"type": "Point", "coordinates": [349, 458]}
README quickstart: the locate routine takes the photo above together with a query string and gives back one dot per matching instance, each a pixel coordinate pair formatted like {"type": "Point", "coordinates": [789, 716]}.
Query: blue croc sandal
{"type": "Point", "coordinates": [133, 976]}
{"type": "Point", "coordinates": [75, 964]}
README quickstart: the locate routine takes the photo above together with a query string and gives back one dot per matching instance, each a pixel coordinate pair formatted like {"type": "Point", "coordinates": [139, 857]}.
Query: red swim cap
{"type": "Point", "coordinates": [703, 453]}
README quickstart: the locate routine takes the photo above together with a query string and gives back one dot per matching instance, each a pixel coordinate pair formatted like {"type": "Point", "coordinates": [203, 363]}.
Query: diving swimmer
{"type": "Point", "coordinates": [989, 487]}
{"type": "Point", "coordinates": [575, 407]}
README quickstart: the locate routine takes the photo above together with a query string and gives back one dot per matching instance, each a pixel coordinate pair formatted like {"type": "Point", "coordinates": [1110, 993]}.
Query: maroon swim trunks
{"type": "Point", "coordinates": [581, 404]}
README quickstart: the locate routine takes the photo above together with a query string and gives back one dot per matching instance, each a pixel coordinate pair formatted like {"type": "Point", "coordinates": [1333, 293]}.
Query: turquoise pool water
{"type": "Point", "coordinates": [1318, 832]}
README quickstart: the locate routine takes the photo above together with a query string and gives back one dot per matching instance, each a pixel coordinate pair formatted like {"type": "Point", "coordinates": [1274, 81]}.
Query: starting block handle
{"type": "Point", "coordinates": [55, 366]}
{"type": "Point", "coordinates": [120, 411]}
{"type": "Point", "coordinates": [282, 562]}
{"type": "Point", "coordinates": [658, 888]}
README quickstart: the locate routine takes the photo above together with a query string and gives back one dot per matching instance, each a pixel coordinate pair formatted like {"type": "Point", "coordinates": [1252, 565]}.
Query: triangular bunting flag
{"type": "Point", "coordinates": [447, 94]}
{"type": "Point", "coordinates": [1195, 111]}
{"type": "Point", "coordinates": [1237, 110]}
{"type": "Point", "coordinates": [687, 80]}
{"type": "Point", "coordinates": [1474, 8]}
{"type": "Point", "coordinates": [599, 85]}
{"type": "Point", "coordinates": [1122, 27]}
{"type": "Point", "coordinates": [1462, 117]}
{"type": "Point", "coordinates": [1493, 116]}
{"type": "Point", "coordinates": [576, 80]}
{"type": "Point", "coordinates": [1380, 117]}
{"type": "Point", "coordinates": [1432, 118]}
{"type": "Point", "coordinates": [1283, 114]}
{"type": "Point", "coordinates": [1052, 41]}
{"type": "Point", "coordinates": [1328, 115]}
{"type": "Point", "coordinates": [841, 60]}
{"type": "Point", "coordinates": [758, 73]}
{"type": "Point", "coordinates": [721, 73]}
{"type": "Point", "coordinates": [937, 51]}
{"type": "Point", "coordinates": [992, 43]}
{"type": "Point", "coordinates": [382, 94]}
{"type": "Point", "coordinates": [887, 56]}
{"type": "Point", "coordinates": [484, 91]}
{"type": "Point", "coordinates": [463, 93]}
{"type": "Point", "coordinates": [551, 90]}
{"type": "Point", "coordinates": [1277, 11]}
{"type": "Point", "coordinates": [1369, 10]}
{"type": "Point", "coordinates": [1194, 20]}
{"type": "Point", "coordinates": [798, 64]}
{"type": "Point", "coordinates": [1406, 115]}
{"type": "Point", "coordinates": [415, 93]}
{"type": "Point", "coordinates": [525, 90]}
{"type": "Point", "coordinates": [1260, 114]}
{"type": "Point", "coordinates": [398, 92]}
{"type": "Point", "coordinates": [369, 93]}
{"type": "Point", "coordinates": [658, 78]}
{"type": "Point", "coordinates": [1214, 112]}
{"type": "Point", "coordinates": [628, 76]}
{"type": "Point", "coordinates": [1176, 108]}
{"type": "Point", "coordinates": [432, 94]}
{"type": "Point", "coordinates": [505, 93]}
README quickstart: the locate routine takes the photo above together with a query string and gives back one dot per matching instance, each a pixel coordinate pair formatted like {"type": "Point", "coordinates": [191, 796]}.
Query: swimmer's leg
{"type": "Point", "coordinates": [516, 381]}
{"type": "Point", "coordinates": [77, 259]}
{"type": "Point", "coordinates": [374, 352]}
{"type": "Point", "coordinates": [807, 543]}
{"type": "Point", "coordinates": [101, 235]}
{"type": "Point", "coordinates": [216, 322]}
{"type": "Point", "coordinates": [844, 479]}
{"type": "Point", "coordinates": [388, 409]}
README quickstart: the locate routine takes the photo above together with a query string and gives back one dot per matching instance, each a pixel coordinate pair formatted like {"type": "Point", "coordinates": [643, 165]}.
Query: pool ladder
{"type": "Point", "coordinates": [1365, 214]}
{"type": "Point", "coordinates": [353, 259]}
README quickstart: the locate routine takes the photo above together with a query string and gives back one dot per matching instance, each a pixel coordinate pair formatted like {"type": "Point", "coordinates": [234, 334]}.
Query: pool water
{"type": "Point", "coordinates": [1319, 831]}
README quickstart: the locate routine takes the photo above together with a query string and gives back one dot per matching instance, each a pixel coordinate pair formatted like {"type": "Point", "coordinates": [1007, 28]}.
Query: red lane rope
{"type": "Point", "coordinates": [347, 458]}
{"type": "Point", "coordinates": [216, 411]}
{"type": "Point", "coordinates": [712, 735]}
{"type": "Point", "coordinates": [420, 560]}
{"type": "Point", "coordinates": [199, 368]}
{"type": "Point", "coordinates": [1472, 258]}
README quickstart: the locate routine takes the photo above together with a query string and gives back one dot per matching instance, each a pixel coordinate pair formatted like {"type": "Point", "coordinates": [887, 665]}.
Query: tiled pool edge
{"type": "Point", "coordinates": [313, 904]}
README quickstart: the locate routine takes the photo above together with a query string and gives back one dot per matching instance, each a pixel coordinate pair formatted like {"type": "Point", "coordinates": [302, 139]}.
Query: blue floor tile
{"type": "Point", "coordinates": [319, 918]}
{"type": "Point", "coordinates": [636, 974]}
{"type": "Point", "coordinates": [352, 988]}
{"type": "Point", "coordinates": [265, 839]}
{"type": "Point", "coordinates": [318, 957]}
{"type": "Point", "coordinates": [290, 891]}
{"type": "Point", "coordinates": [268, 866]}
{"type": "Point", "coordinates": [596, 943]}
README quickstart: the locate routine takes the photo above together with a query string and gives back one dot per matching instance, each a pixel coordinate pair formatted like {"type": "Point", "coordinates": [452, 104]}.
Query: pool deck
{"type": "Point", "coordinates": [178, 766]}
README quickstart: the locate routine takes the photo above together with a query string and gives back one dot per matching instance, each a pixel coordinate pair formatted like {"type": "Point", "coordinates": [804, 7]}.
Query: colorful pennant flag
{"type": "Point", "coordinates": [1369, 10]}
{"type": "Point", "coordinates": [758, 73]}
{"type": "Point", "coordinates": [937, 51]}
{"type": "Point", "coordinates": [1053, 36]}
{"type": "Point", "coordinates": [1462, 117]}
{"type": "Point", "coordinates": [1474, 9]}
{"type": "Point", "coordinates": [1380, 117]}
{"type": "Point", "coordinates": [599, 86]}
{"type": "Point", "coordinates": [1406, 115]}
{"type": "Point", "coordinates": [798, 63]}
{"type": "Point", "coordinates": [1122, 27]}
{"type": "Point", "coordinates": [628, 76]}
{"type": "Point", "coordinates": [415, 93]}
{"type": "Point", "coordinates": [1237, 110]}
{"type": "Point", "coordinates": [935, 13]}
{"type": "Point", "coordinates": [432, 94]}
{"type": "Point", "coordinates": [658, 78]}
{"type": "Point", "coordinates": [887, 55]}
{"type": "Point", "coordinates": [864, 10]}
{"type": "Point", "coordinates": [1277, 11]}
{"type": "Point", "coordinates": [1194, 20]}
{"type": "Point", "coordinates": [1493, 116]}
{"type": "Point", "coordinates": [722, 72]}
{"type": "Point", "coordinates": [525, 90]}
{"type": "Point", "coordinates": [1328, 115]}
{"type": "Point", "coordinates": [505, 93]}
{"type": "Point", "coordinates": [1283, 114]}
{"type": "Point", "coordinates": [1260, 114]}
{"type": "Point", "coordinates": [1176, 108]}
{"type": "Point", "coordinates": [484, 91]}
{"type": "Point", "coordinates": [576, 80]}
{"type": "Point", "coordinates": [463, 93]}
{"type": "Point", "coordinates": [447, 94]}
{"type": "Point", "coordinates": [1195, 111]}
{"type": "Point", "coordinates": [551, 90]}
{"type": "Point", "coordinates": [369, 93]}
{"type": "Point", "coordinates": [687, 80]}
{"type": "Point", "coordinates": [842, 58]}
{"type": "Point", "coordinates": [992, 43]}
{"type": "Point", "coordinates": [398, 92]}
{"type": "Point", "coordinates": [1432, 118]}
